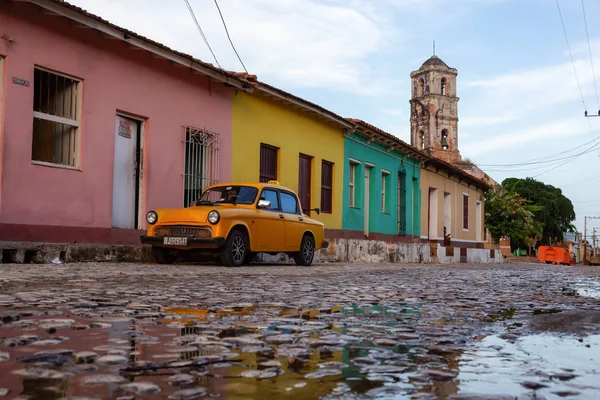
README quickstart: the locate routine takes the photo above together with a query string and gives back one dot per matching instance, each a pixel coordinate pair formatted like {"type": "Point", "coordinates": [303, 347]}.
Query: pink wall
{"type": "Point", "coordinates": [115, 77]}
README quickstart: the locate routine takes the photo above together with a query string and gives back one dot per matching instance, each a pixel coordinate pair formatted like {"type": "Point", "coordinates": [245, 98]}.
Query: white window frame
{"type": "Point", "coordinates": [352, 182]}
{"type": "Point", "coordinates": [65, 121]}
{"type": "Point", "coordinates": [384, 178]}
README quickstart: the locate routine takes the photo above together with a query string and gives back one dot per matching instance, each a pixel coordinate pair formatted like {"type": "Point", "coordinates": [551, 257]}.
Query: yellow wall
{"type": "Point", "coordinates": [257, 119]}
{"type": "Point", "coordinates": [443, 184]}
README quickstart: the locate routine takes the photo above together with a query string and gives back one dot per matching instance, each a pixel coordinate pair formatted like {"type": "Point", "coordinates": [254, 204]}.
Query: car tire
{"type": "Point", "coordinates": [235, 250]}
{"type": "Point", "coordinates": [249, 257]}
{"type": "Point", "coordinates": [163, 255]}
{"type": "Point", "coordinates": [306, 254]}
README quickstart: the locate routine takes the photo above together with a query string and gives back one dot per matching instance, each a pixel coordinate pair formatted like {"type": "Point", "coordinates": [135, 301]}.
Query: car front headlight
{"type": "Point", "coordinates": [213, 217]}
{"type": "Point", "coordinates": [152, 217]}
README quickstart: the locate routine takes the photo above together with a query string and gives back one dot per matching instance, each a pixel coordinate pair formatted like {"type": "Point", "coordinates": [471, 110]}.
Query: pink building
{"type": "Point", "coordinates": [98, 125]}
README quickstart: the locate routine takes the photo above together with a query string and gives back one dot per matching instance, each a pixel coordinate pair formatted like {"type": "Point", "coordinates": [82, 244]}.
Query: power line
{"type": "Point", "coordinates": [230, 41]}
{"type": "Point", "coordinates": [571, 54]}
{"type": "Point", "coordinates": [590, 50]}
{"type": "Point", "coordinates": [591, 148]}
{"type": "Point", "coordinates": [546, 159]}
{"type": "Point", "coordinates": [201, 32]}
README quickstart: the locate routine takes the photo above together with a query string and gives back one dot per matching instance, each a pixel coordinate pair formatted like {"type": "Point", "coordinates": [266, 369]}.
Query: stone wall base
{"type": "Point", "coordinates": [59, 253]}
{"type": "Point", "coordinates": [372, 251]}
{"type": "Point", "coordinates": [339, 251]}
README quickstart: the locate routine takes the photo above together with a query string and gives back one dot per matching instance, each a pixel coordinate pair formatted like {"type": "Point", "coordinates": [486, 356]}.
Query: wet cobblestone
{"type": "Point", "coordinates": [88, 330]}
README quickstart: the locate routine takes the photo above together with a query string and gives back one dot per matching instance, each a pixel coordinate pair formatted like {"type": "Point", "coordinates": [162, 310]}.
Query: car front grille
{"type": "Point", "coordinates": [183, 231]}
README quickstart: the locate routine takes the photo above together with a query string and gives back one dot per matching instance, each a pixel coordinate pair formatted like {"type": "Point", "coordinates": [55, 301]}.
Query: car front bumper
{"type": "Point", "coordinates": [204, 243]}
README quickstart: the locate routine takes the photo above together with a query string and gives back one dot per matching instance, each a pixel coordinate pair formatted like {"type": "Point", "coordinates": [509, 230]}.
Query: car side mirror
{"type": "Point", "coordinates": [263, 203]}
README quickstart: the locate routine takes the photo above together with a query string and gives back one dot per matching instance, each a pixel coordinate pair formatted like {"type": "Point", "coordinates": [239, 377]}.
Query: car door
{"type": "Point", "coordinates": [294, 221]}
{"type": "Point", "coordinates": [270, 224]}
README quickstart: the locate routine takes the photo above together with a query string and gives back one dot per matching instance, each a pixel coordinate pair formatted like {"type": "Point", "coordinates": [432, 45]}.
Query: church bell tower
{"type": "Point", "coordinates": [434, 110]}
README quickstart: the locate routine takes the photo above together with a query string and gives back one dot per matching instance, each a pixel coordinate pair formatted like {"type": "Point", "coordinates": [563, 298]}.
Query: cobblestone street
{"type": "Point", "coordinates": [328, 331]}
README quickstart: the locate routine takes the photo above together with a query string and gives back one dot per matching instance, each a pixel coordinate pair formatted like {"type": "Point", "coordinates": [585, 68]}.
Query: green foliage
{"type": "Point", "coordinates": [554, 212]}
{"type": "Point", "coordinates": [510, 215]}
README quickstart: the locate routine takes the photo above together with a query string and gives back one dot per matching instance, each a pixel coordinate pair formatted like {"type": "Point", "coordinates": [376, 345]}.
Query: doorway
{"type": "Point", "coordinates": [402, 199]}
{"type": "Point", "coordinates": [304, 182]}
{"type": "Point", "coordinates": [433, 213]}
{"type": "Point", "coordinates": [367, 188]}
{"type": "Point", "coordinates": [126, 173]}
{"type": "Point", "coordinates": [478, 223]}
{"type": "Point", "coordinates": [447, 214]}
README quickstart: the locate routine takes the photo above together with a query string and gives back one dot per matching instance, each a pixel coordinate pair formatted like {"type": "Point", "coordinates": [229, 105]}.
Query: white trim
{"type": "Point", "coordinates": [353, 161]}
{"type": "Point", "coordinates": [384, 171]}
{"type": "Point", "coordinates": [54, 118]}
{"type": "Point", "coordinates": [51, 71]}
{"type": "Point", "coordinates": [369, 165]}
{"type": "Point", "coordinates": [133, 41]}
{"type": "Point", "coordinates": [53, 165]}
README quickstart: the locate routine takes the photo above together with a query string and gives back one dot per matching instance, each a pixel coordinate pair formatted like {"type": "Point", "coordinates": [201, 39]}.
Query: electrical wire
{"type": "Point", "coordinates": [230, 41]}
{"type": "Point", "coordinates": [570, 54]}
{"type": "Point", "coordinates": [590, 50]}
{"type": "Point", "coordinates": [595, 146]}
{"type": "Point", "coordinates": [591, 178]}
{"type": "Point", "coordinates": [201, 32]}
{"type": "Point", "coordinates": [546, 159]}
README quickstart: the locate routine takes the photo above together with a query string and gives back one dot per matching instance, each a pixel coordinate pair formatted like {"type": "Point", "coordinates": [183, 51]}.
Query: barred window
{"type": "Point", "coordinates": [201, 163]}
{"type": "Point", "coordinates": [56, 116]}
{"type": "Point", "coordinates": [326, 187]}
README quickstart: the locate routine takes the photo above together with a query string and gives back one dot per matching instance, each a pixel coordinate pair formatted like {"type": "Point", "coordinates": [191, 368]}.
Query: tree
{"type": "Point", "coordinates": [554, 211]}
{"type": "Point", "coordinates": [509, 214]}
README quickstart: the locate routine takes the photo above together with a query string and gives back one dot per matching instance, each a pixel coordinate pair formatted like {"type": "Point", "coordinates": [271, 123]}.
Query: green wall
{"type": "Point", "coordinates": [407, 170]}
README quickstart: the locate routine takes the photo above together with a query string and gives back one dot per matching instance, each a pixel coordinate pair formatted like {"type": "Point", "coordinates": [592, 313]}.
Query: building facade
{"type": "Point", "coordinates": [278, 136]}
{"type": "Point", "coordinates": [452, 193]}
{"type": "Point", "coordinates": [453, 204]}
{"type": "Point", "coordinates": [381, 186]}
{"type": "Point", "coordinates": [99, 125]}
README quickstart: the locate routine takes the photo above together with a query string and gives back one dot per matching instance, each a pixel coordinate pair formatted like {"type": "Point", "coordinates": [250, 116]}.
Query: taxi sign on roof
{"type": "Point", "coordinates": [273, 182]}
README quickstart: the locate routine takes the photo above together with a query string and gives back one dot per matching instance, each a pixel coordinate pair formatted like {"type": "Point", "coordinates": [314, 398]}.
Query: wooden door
{"type": "Point", "coordinates": [304, 183]}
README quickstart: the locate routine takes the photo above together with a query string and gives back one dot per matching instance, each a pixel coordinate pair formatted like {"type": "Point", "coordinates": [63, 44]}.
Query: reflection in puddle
{"type": "Point", "coordinates": [240, 351]}
{"type": "Point", "coordinates": [557, 366]}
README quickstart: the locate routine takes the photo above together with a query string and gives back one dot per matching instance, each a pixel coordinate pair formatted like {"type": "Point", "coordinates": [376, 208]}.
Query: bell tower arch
{"type": "Point", "coordinates": [434, 110]}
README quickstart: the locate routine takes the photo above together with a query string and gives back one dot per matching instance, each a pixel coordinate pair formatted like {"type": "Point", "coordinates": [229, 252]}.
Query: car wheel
{"type": "Point", "coordinates": [235, 250]}
{"type": "Point", "coordinates": [307, 251]}
{"type": "Point", "coordinates": [164, 255]}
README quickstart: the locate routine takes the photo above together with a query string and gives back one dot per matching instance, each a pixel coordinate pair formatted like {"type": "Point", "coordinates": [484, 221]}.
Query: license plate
{"type": "Point", "coordinates": [178, 241]}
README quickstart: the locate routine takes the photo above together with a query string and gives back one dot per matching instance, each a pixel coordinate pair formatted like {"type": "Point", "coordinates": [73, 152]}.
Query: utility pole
{"type": "Point", "coordinates": [594, 240]}
{"type": "Point", "coordinates": [585, 218]}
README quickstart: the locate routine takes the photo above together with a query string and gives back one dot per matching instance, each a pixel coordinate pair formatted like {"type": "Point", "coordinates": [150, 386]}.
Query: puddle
{"type": "Point", "coordinates": [561, 367]}
{"type": "Point", "coordinates": [236, 351]}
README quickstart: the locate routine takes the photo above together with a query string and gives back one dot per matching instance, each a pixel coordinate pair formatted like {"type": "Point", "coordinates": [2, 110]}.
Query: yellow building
{"type": "Point", "coordinates": [278, 136]}
{"type": "Point", "coordinates": [452, 204]}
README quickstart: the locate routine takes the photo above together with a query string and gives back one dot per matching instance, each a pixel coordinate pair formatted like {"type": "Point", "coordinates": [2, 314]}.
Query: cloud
{"type": "Point", "coordinates": [528, 93]}
{"type": "Point", "coordinates": [569, 127]}
{"type": "Point", "coordinates": [289, 43]}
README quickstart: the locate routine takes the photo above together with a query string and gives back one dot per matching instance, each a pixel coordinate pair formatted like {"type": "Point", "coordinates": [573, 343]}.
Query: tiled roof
{"type": "Point", "coordinates": [262, 86]}
{"type": "Point", "coordinates": [225, 76]}
{"type": "Point", "coordinates": [418, 154]}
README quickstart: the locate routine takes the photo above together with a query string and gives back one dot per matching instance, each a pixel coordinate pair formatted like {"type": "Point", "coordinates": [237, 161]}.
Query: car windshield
{"type": "Point", "coordinates": [228, 194]}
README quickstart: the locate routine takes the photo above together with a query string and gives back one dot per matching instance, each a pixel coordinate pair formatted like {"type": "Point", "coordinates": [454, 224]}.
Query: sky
{"type": "Point", "coordinates": [519, 97]}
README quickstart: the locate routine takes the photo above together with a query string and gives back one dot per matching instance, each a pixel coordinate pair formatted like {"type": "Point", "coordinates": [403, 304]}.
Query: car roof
{"type": "Point", "coordinates": [258, 185]}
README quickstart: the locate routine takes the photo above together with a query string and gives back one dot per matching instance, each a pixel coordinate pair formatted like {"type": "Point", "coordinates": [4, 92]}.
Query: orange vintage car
{"type": "Point", "coordinates": [235, 221]}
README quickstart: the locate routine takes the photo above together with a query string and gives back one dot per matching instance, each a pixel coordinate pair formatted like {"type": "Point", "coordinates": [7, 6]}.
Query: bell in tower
{"type": "Point", "coordinates": [434, 110]}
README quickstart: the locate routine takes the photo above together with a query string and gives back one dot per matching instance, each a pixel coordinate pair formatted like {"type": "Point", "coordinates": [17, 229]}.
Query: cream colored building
{"type": "Point", "coordinates": [452, 204]}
